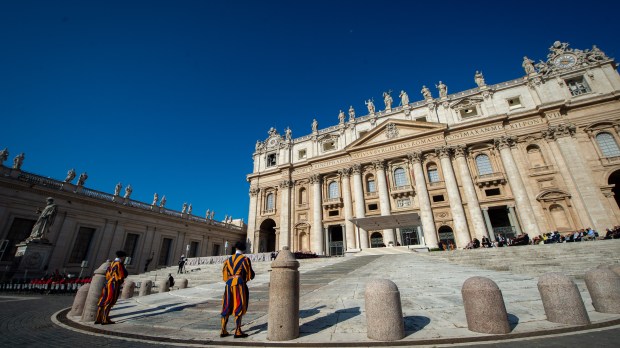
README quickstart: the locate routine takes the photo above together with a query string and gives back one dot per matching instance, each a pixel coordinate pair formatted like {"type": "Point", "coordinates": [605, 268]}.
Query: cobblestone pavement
{"type": "Point", "coordinates": [25, 321]}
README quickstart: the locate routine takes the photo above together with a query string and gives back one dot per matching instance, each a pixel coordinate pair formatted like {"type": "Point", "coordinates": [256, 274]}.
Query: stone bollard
{"type": "Point", "coordinates": [484, 306]}
{"type": "Point", "coordinates": [561, 299]}
{"type": "Point", "coordinates": [384, 313]}
{"type": "Point", "coordinates": [182, 284]}
{"type": "Point", "coordinates": [604, 288]}
{"type": "Point", "coordinates": [94, 292]}
{"type": "Point", "coordinates": [163, 286]}
{"type": "Point", "coordinates": [145, 288]}
{"type": "Point", "coordinates": [283, 322]}
{"type": "Point", "coordinates": [128, 290]}
{"type": "Point", "coordinates": [79, 301]}
{"type": "Point", "coordinates": [615, 269]}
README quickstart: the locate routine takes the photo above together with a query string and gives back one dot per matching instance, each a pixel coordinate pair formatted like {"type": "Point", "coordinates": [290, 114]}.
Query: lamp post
{"type": "Point", "coordinates": [82, 266]}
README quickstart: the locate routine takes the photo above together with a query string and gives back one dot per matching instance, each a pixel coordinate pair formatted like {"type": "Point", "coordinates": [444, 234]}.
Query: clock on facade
{"type": "Point", "coordinates": [272, 141]}
{"type": "Point", "coordinates": [565, 61]}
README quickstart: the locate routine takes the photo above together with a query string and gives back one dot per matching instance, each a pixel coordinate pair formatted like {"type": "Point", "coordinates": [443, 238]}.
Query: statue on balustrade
{"type": "Point", "coordinates": [443, 89]}
{"type": "Point", "coordinates": [370, 105]}
{"type": "Point", "coordinates": [128, 191]}
{"type": "Point", "coordinates": [351, 113]}
{"type": "Point", "coordinates": [207, 214]}
{"type": "Point", "coordinates": [341, 117]}
{"type": "Point", "coordinates": [426, 93]}
{"type": "Point", "coordinates": [404, 98]}
{"type": "Point", "coordinates": [479, 79]}
{"type": "Point", "coordinates": [70, 175]}
{"type": "Point", "coordinates": [528, 66]}
{"type": "Point", "coordinates": [4, 155]}
{"type": "Point", "coordinates": [82, 179]}
{"type": "Point", "coordinates": [18, 161]}
{"type": "Point", "coordinates": [184, 208]}
{"type": "Point", "coordinates": [288, 134]}
{"type": "Point", "coordinates": [315, 126]}
{"type": "Point", "coordinates": [163, 201]}
{"type": "Point", "coordinates": [189, 209]}
{"type": "Point", "coordinates": [387, 99]}
{"type": "Point", "coordinates": [117, 189]}
{"type": "Point", "coordinates": [155, 199]}
{"type": "Point", "coordinates": [45, 220]}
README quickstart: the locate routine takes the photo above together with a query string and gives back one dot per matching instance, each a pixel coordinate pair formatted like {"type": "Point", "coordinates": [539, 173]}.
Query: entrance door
{"type": "Point", "coordinates": [165, 251]}
{"type": "Point", "coordinates": [267, 241]}
{"type": "Point", "coordinates": [336, 243]}
{"type": "Point", "coordinates": [409, 235]}
{"type": "Point", "coordinates": [500, 222]}
{"type": "Point", "coordinates": [376, 240]}
{"type": "Point", "coordinates": [446, 236]}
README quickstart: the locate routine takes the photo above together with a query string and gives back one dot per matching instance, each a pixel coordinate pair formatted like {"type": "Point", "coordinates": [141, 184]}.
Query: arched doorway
{"type": "Point", "coordinates": [614, 179]}
{"type": "Point", "coordinates": [446, 236]}
{"type": "Point", "coordinates": [376, 240]}
{"type": "Point", "coordinates": [267, 239]}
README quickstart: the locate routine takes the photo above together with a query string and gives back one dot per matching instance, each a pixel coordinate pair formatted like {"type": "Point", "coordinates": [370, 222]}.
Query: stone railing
{"type": "Point", "coordinates": [210, 260]}
{"type": "Point", "coordinates": [435, 184]}
{"type": "Point", "coordinates": [401, 191]}
{"type": "Point", "coordinates": [490, 179]}
{"type": "Point", "coordinates": [87, 192]}
{"type": "Point", "coordinates": [541, 169]}
{"type": "Point", "coordinates": [371, 194]}
{"type": "Point", "coordinates": [610, 160]}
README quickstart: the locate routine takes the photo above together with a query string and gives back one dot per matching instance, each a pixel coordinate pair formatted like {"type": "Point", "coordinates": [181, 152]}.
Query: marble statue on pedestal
{"type": "Point", "coordinates": [45, 220]}
{"type": "Point", "coordinates": [207, 214]}
{"type": "Point", "coordinates": [82, 179]}
{"type": "Point", "coordinates": [370, 105]}
{"type": "Point", "coordinates": [184, 208]}
{"type": "Point", "coordinates": [18, 161]}
{"type": "Point", "coordinates": [4, 155]}
{"type": "Point", "coordinates": [387, 99]}
{"type": "Point", "coordinates": [162, 203]}
{"type": "Point", "coordinates": [70, 175]}
{"type": "Point", "coordinates": [404, 98]}
{"type": "Point", "coordinates": [528, 66]}
{"type": "Point", "coordinates": [155, 199]}
{"type": "Point", "coordinates": [189, 209]}
{"type": "Point", "coordinates": [341, 117]}
{"type": "Point", "coordinates": [426, 93]}
{"type": "Point", "coordinates": [351, 113]}
{"type": "Point", "coordinates": [128, 191]}
{"type": "Point", "coordinates": [117, 189]}
{"type": "Point", "coordinates": [443, 89]}
{"type": "Point", "coordinates": [288, 134]}
{"type": "Point", "coordinates": [315, 126]}
{"type": "Point", "coordinates": [479, 79]}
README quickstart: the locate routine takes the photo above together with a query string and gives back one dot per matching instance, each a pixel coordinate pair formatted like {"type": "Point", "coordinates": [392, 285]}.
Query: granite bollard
{"type": "Point", "coordinates": [604, 288]}
{"type": "Point", "coordinates": [78, 302]}
{"type": "Point", "coordinates": [146, 287]}
{"type": "Point", "coordinates": [283, 322]}
{"type": "Point", "coordinates": [384, 313]}
{"type": "Point", "coordinates": [484, 306]}
{"type": "Point", "coordinates": [94, 292]}
{"type": "Point", "coordinates": [163, 285]}
{"type": "Point", "coordinates": [183, 283]}
{"type": "Point", "coordinates": [615, 269]}
{"type": "Point", "coordinates": [128, 290]}
{"type": "Point", "coordinates": [561, 299]}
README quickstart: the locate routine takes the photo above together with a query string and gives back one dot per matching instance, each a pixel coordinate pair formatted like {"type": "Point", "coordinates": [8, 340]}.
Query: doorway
{"type": "Point", "coordinates": [267, 239]}
{"type": "Point", "coordinates": [501, 222]}
{"type": "Point", "coordinates": [376, 240]}
{"type": "Point", "coordinates": [336, 241]}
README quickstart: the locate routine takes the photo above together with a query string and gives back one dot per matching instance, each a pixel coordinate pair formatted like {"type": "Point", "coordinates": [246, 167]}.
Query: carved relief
{"type": "Point", "coordinates": [415, 157]}
{"type": "Point", "coordinates": [443, 151]}
{"type": "Point", "coordinates": [356, 169]}
{"type": "Point", "coordinates": [286, 184]}
{"type": "Point", "coordinates": [391, 131]}
{"type": "Point", "coordinates": [254, 191]}
{"type": "Point", "coordinates": [315, 178]}
{"type": "Point", "coordinates": [504, 142]}
{"type": "Point", "coordinates": [379, 165]}
{"type": "Point", "coordinates": [344, 172]}
{"type": "Point", "coordinates": [460, 151]}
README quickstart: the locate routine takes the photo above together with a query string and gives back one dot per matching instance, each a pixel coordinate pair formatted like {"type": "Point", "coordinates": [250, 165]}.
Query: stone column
{"type": "Point", "coordinates": [512, 216]}
{"type": "Point", "coordinates": [360, 208]}
{"type": "Point", "coordinates": [426, 213]}
{"type": "Point", "coordinates": [348, 208]}
{"type": "Point", "coordinates": [461, 230]}
{"type": "Point", "coordinates": [283, 318]}
{"type": "Point", "coordinates": [384, 199]}
{"type": "Point", "coordinates": [581, 175]}
{"type": "Point", "coordinates": [252, 218]}
{"type": "Point", "coordinates": [473, 204]}
{"type": "Point", "coordinates": [285, 213]}
{"type": "Point", "coordinates": [526, 213]}
{"type": "Point", "coordinates": [487, 221]}
{"type": "Point", "coordinates": [316, 242]}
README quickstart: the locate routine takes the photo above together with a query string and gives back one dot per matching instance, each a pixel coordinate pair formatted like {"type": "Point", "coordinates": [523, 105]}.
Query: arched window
{"type": "Point", "coordinates": [483, 164]}
{"type": "Point", "coordinates": [333, 190]}
{"type": "Point", "coordinates": [303, 196]}
{"type": "Point", "coordinates": [400, 179]}
{"type": "Point", "coordinates": [370, 184]}
{"type": "Point", "coordinates": [534, 155]}
{"type": "Point", "coordinates": [270, 202]}
{"type": "Point", "coordinates": [607, 144]}
{"type": "Point", "coordinates": [433, 174]}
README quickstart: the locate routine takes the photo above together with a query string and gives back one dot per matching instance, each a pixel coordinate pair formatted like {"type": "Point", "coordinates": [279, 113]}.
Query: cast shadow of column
{"type": "Point", "coordinates": [414, 323]}
{"type": "Point", "coordinates": [322, 323]}
{"type": "Point", "coordinates": [513, 321]}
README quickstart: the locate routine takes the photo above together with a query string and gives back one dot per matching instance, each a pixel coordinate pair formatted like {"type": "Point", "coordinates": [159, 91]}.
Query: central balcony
{"type": "Point", "coordinates": [491, 179]}
{"type": "Point", "coordinates": [332, 203]}
{"type": "Point", "coordinates": [401, 191]}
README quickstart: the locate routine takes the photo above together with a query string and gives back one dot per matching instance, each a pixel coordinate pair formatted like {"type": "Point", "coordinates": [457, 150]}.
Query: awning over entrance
{"type": "Point", "coordinates": [388, 221]}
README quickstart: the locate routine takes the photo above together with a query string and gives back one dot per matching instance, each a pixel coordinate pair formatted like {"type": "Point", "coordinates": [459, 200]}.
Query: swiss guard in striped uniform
{"type": "Point", "coordinates": [114, 275]}
{"type": "Point", "coordinates": [236, 273]}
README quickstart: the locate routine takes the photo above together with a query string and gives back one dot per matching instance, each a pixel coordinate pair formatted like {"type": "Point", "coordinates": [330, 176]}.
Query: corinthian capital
{"type": "Point", "coordinates": [549, 133]}
{"type": "Point", "coordinates": [443, 151]}
{"type": "Point", "coordinates": [565, 130]}
{"type": "Point", "coordinates": [379, 165]}
{"type": "Point", "coordinates": [460, 151]}
{"type": "Point", "coordinates": [504, 142]}
{"type": "Point", "coordinates": [356, 169]}
{"type": "Point", "coordinates": [415, 157]}
{"type": "Point", "coordinates": [315, 178]}
{"type": "Point", "coordinates": [254, 191]}
{"type": "Point", "coordinates": [344, 172]}
{"type": "Point", "coordinates": [286, 184]}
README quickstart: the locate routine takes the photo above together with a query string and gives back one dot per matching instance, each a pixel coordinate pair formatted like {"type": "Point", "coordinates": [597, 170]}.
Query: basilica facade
{"type": "Point", "coordinates": [536, 154]}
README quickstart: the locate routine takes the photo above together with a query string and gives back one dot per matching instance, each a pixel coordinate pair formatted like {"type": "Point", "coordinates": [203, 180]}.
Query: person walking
{"type": "Point", "coordinates": [115, 275]}
{"type": "Point", "coordinates": [182, 264]}
{"type": "Point", "coordinates": [237, 271]}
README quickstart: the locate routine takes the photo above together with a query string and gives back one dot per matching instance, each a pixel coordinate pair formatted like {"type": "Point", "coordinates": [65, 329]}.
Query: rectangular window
{"type": "Point", "coordinates": [301, 154]}
{"type": "Point", "coordinates": [469, 112]}
{"type": "Point", "coordinates": [373, 207]}
{"type": "Point", "coordinates": [329, 145]}
{"type": "Point", "coordinates": [271, 160]}
{"type": "Point", "coordinates": [165, 251]}
{"type": "Point", "coordinates": [578, 86]}
{"type": "Point", "coordinates": [421, 119]}
{"type": "Point", "coordinates": [514, 103]}
{"type": "Point", "coordinates": [334, 213]}
{"type": "Point", "coordinates": [361, 134]}
{"type": "Point", "coordinates": [433, 175]}
{"type": "Point", "coordinates": [371, 186]}
{"type": "Point", "coordinates": [438, 198]}
{"type": "Point", "coordinates": [81, 245]}
{"type": "Point", "coordinates": [216, 250]}
{"type": "Point", "coordinates": [193, 249]}
{"type": "Point", "coordinates": [20, 230]}
{"type": "Point", "coordinates": [492, 192]}
{"type": "Point", "coordinates": [131, 243]}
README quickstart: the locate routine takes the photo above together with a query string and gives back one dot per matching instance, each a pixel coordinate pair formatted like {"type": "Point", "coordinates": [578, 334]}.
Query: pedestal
{"type": "Point", "coordinates": [33, 256]}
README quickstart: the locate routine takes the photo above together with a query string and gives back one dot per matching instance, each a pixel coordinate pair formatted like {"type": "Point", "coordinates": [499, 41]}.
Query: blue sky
{"type": "Point", "coordinates": [171, 96]}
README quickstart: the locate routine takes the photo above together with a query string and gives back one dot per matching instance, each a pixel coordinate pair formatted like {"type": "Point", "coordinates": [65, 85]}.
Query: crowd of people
{"type": "Point", "coordinates": [49, 284]}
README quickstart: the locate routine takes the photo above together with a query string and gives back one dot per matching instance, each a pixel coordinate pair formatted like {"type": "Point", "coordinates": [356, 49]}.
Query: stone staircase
{"type": "Point", "coordinates": [572, 259]}
{"type": "Point", "coordinates": [385, 251]}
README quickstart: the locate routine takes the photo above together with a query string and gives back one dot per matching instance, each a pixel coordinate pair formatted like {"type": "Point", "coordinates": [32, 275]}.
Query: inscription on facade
{"type": "Point", "coordinates": [475, 132]}
{"type": "Point", "coordinates": [331, 163]}
{"type": "Point", "coordinates": [526, 123]}
{"type": "Point", "coordinates": [396, 147]}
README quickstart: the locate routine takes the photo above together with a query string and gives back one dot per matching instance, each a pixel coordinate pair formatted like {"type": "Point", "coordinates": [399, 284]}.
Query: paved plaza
{"type": "Point", "coordinates": [332, 307]}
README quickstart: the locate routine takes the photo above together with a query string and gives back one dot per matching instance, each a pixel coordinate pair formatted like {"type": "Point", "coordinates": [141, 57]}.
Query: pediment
{"type": "Point", "coordinates": [551, 195]}
{"type": "Point", "coordinates": [391, 130]}
{"type": "Point", "coordinates": [466, 102]}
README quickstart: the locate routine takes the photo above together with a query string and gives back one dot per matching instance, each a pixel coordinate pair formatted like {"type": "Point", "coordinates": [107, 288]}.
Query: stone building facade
{"type": "Point", "coordinates": [536, 154]}
{"type": "Point", "coordinates": [91, 225]}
